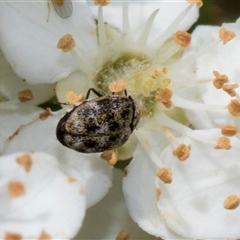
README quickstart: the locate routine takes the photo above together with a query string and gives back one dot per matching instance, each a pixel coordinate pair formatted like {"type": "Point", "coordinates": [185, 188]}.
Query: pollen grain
{"type": "Point", "coordinates": [182, 152]}
{"type": "Point", "coordinates": [234, 107]}
{"type": "Point", "coordinates": [182, 38]}
{"type": "Point", "coordinates": [66, 43]}
{"type": "Point", "coordinates": [231, 202]}
{"type": "Point", "coordinates": [165, 174]}
{"type": "Point", "coordinates": [25, 161]}
{"type": "Point", "coordinates": [15, 189]}
{"type": "Point", "coordinates": [229, 130]}
{"type": "Point", "coordinates": [223, 143]}
{"type": "Point", "coordinates": [226, 35]}
{"type": "Point", "coordinates": [219, 80]}
{"type": "Point", "coordinates": [25, 95]}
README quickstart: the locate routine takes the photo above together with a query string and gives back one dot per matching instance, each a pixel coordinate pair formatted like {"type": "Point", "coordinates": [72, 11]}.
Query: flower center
{"type": "Point", "coordinates": [144, 80]}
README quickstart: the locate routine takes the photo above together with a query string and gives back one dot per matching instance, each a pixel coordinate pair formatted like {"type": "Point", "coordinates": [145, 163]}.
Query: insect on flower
{"type": "Point", "coordinates": [100, 124]}
{"type": "Point", "coordinates": [63, 8]}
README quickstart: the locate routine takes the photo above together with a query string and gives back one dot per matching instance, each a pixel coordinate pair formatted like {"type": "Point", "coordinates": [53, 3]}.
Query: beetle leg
{"type": "Point", "coordinates": [95, 91]}
{"type": "Point", "coordinates": [62, 103]}
{"type": "Point", "coordinates": [125, 92]}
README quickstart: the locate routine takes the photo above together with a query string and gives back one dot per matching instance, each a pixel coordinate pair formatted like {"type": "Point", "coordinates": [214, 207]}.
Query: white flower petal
{"type": "Point", "coordinates": [215, 60]}
{"type": "Point", "coordinates": [94, 173]}
{"type": "Point", "coordinates": [152, 141]}
{"type": "Point", "coordinates": [108, 217]}
{"type": "Point", "coordinates": [12, 117]}
{"type": "Point", "coordinates": [139, 12]}
{"type": "Point", "coordinates": [76, 82]}
{"type": "Point", "coordinates": [11, 85]}
{"type": "Point", "coordinates": [37, 198]}
{"type": "Point", "coordinates": [214, 55]}
{"type": "Point", "coordinates": [141, 195]}
{"type": "Point", "coordinates": [192, 205]}
{"type": "Point", "coordinates": [29, 40]}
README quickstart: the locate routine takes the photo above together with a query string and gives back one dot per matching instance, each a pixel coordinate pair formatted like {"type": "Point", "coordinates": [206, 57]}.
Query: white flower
{"type": "Point", "coordinates": [110, 217]}
{"type": "Point", "coordinates": [18, 100]}
{"type": "Point", "coordinates": [175, 199]}
{"type": "Point", "coordinates": [38, 201]}
{"type": "Point", "coordinates": [179, 181]}
{"type": "Point", "coordinates": [93, 173]}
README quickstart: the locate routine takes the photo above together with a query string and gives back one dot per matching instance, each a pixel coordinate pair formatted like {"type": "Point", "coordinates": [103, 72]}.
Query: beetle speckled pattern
{"type": "Point", "coordinates": [99, 124]}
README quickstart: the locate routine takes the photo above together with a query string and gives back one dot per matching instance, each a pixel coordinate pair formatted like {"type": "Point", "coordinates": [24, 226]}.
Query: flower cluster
{"type": "Point", "coordinates": [183, 178]}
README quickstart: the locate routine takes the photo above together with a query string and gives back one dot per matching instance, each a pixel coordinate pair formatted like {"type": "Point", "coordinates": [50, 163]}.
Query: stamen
{"type": "Point", "coordinates": [101, 28]}
{"type": "Point", "coordinates": [87, 69]}
{"type": "Point", "coordinates": [71, 179]}
{"type": "Point", "coordinates": [110, 156]}
{"type": "Point", "coordinates": [15, 133]}
{"type": "Point", "coordinates": [118, 86]}
{"type": "Point", "coordinates": [66, 43]}
{"type": "Point", "coordinates": [25, 161]}
{"type": "Point", "coordinates": [45, 114]}
{"type": "Point", "coordinates": [73, 98]}
{"type": "Point", "coordinates": [44, 236]}
{"type": "Point", "coordinates": [199, 3]}
{"type": "Point", "coordinates": [164, 96]}
{"type": "Point", "coordinates": [15, 189]}
{"type": "Point", "coordinates": [167, 34]}
{"type": "Point", "coordinates": [230, 89]}
{"type": "Point", "coordinates": [223, 143]}
{"type": "Point", "coordinates": [164, 120]}
{"type": "Point", "coordinates": [182, 152]}
{"type": "Point", "coordinates": [186, 104]}
{"type": "Point", "coordinates": [165, 174]}
{"type": "Point", "coordinates": [229, 130]}
{"type": "Point", "coordinates": [231, 202]}
{"type": "Point", "coordinates": [220, 80]}
{"type": "Point", "coordinates": [102, 2]}
{"type": "Point", "coordinates": [150, 80]}
{"type": "Point", "coordinates": [141, 42]}
{"type": "Point", "coordinates": [169, 136]}
{"type": "Point", "coordinates": [25, 95]}
{"type": "Point", "coordinates": [148, 85]}
{"type": "Point", "coordinates": [182, 38]}
{"type": "Point", "coordinates": [234, 107]}
{"type": "Point", "coordinates": [125, 24]}
{"type": "Point", "coordinates": [123, 235]}
{"type": "Point", "coordinates": [166, 53]}
{"type": "Point", "coordinates": [12, 236]}
{"type": "Point", "coordinates": [226, 35]}
{"type": "Point", "coordinates": [158, 193]}
{"type": "Point", "coordinates": [188, 84]}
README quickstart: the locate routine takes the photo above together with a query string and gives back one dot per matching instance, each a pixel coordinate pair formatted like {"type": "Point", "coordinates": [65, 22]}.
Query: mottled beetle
{"type": "Point", "coordinates": [99, 124]}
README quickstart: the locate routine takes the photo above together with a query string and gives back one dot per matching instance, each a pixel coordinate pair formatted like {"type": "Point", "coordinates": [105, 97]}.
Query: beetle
{"type": "Point", "coordinates": [63, 8]}
{"type": "Point", "coordinates": [100, 124]}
